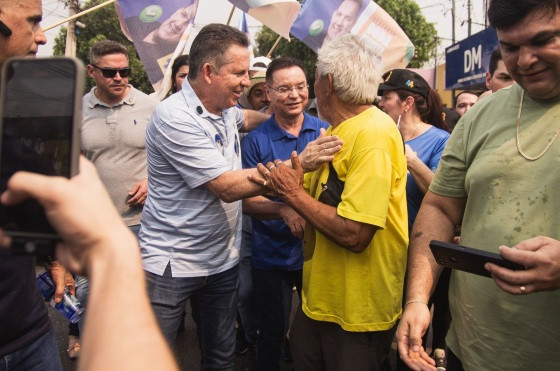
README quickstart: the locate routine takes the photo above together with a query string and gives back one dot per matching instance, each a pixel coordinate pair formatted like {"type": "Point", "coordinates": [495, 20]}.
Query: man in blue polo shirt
{"type": "Point", "coordinates": [277, 258]}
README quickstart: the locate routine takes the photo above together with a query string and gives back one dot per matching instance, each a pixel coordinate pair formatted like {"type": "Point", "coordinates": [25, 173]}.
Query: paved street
{"type": "Point", "coordinates": [186, 349]}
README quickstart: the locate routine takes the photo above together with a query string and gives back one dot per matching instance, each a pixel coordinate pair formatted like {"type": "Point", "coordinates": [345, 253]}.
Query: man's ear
{"type": "Point", "coordinates": [330, 85]}
{"type": "Point", "coordinates": [488, 81]}
{"type": "Point", "coordinates": [90, 71]}
{"type": "Point", "coordinates": [207, 70]}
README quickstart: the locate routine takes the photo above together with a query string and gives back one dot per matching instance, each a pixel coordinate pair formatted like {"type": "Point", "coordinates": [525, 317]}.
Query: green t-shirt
{"type": "Point", "coordinates": [361, 292]}
{"type": "Point", "coordinates": [509, 199]}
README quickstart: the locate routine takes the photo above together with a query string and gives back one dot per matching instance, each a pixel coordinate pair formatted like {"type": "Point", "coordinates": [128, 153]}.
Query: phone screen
{"type": "Point", "coordinates": [37, 133]}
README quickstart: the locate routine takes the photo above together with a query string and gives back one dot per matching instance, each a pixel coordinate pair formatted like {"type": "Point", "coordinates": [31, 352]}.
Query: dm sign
{"type": "Point", "coordinates": [466, 62]}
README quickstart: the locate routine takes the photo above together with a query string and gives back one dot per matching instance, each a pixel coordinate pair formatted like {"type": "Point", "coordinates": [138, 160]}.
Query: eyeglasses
{"type": "Point", "coordinates": [285, 90]}
{"type": "Point", "coordinates": [112, 72]}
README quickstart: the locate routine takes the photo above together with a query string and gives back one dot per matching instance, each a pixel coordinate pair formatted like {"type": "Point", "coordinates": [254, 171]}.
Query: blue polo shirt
{"type": "Point", "coordinates": [273, 245]}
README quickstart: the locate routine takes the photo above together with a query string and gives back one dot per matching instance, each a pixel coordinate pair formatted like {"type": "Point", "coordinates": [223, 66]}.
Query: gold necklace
{"type": "Point", "coordinates": [517, 141]}
{"type": "Point", "coordinates": [413, 131]}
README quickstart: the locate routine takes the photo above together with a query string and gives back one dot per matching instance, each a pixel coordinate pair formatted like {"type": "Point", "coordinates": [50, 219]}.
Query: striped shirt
{"type": "Point", "coordinates": [183, 222]}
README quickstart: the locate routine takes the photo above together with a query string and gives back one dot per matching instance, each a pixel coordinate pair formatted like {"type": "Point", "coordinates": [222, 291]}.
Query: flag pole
{"type": "Point", "coordinates": [230, 14]}
{"type": "Point", "coordinates": [269, 54]}
{"type": "Point", "coordinates": [77, 15]}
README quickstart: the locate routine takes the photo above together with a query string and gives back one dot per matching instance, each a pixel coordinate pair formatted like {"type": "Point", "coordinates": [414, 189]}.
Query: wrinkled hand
{"type": "Point", "coordinates": [138, 193]}
{"type": "Point", "coordinates": [293, 220]}
{"type": "Point", "coordinates": [284, 181]}
{"type": "Point", "coordinates": [541, 256]}
{"type": "Point", "coordinates": [414, 323]}
{"type": "Point", "coordinates": [62, 279]}
{"type": "Point", "coordinates": [319, 151]}
{"type": "Point", "coordinates": [81, 212]}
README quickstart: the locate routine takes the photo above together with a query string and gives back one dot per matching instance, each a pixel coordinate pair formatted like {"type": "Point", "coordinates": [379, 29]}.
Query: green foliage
{"type": "Point", "coordinates": [104, 24]}
{"type": "Point", "coordinates": [407, 14]}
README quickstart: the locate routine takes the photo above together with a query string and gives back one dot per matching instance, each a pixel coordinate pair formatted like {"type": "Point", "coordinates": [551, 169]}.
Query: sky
{"type": "Point", "coordinates": [217, 11]}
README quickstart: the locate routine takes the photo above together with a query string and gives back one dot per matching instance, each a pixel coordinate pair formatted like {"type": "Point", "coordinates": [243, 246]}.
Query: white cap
{"type": "Point", "coordinates": [259, 60]}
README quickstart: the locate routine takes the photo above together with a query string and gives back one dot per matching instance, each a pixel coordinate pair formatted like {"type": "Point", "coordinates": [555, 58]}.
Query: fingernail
{"type": "Point", "coordinates": [415, 348]}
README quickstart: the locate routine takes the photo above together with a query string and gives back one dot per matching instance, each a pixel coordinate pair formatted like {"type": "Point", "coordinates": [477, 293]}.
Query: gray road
{"type": "Point", "coordinates": [186, 348]}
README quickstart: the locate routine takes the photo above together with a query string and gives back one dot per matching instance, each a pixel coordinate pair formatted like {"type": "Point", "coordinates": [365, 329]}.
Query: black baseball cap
{"type": "Point", "coordinates": [403, 79]}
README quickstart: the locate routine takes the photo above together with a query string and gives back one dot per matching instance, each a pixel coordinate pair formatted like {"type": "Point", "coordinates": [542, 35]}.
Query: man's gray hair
{"type": "Point", "coordinates": [354, 67]}
{"type": "Point", "coordinates": [211, 45]}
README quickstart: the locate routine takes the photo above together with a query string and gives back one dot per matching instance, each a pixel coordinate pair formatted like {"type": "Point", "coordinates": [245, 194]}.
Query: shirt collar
{"type": "Point", "coordinates": [194, 102]}
{"type": "Point", "coordinates": [276, 132]}
{"type": "Point", "coordinates": [129, 99]}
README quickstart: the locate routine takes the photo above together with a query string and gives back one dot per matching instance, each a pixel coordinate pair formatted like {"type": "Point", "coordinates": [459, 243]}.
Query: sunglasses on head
{"type": "Point", "coordinates": [112, 72]}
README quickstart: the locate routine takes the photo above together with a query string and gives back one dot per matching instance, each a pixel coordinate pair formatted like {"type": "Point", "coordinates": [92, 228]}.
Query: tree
{"type": "Point", "coordinates": [405, 12]}
{"type": "Point", "coordinates": [104, 24]}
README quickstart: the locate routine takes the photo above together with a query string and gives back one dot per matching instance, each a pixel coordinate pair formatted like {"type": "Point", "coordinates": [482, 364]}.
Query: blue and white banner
{"type": "Point", "coordinates": [159, 30]}
{"type": "Point", "coordinates": [245, 29]}
{"type": "Point", "coordinates": [322, 20]}
{"type": "Point", "coordinates": [279, 15]}
{"type": "Point", "coordinates": [466, 62]}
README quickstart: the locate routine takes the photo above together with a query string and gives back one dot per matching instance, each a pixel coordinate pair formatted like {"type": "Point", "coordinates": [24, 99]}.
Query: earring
{"type": "Point", "coordinates": [399, 121]}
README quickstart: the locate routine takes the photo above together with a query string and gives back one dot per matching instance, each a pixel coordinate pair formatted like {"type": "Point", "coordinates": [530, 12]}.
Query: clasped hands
{"type": "Point", "coordinates": [284, 181]}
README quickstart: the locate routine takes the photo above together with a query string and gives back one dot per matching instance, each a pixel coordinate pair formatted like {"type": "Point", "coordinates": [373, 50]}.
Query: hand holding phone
{"type": "Point", "coordinates": [468, 259]}
{"type": "Point", "coordinates": [40, 113]}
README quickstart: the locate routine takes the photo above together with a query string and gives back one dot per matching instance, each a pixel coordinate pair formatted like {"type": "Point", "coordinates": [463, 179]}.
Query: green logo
{"type": "Point", "coordinates": [151, 13]}
{"type": "Point", "coordinates": [316, 27]}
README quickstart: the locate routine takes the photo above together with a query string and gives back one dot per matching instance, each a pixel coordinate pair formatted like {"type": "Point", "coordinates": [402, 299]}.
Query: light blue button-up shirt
{"type": "Point", "coordinates": [183, 222]}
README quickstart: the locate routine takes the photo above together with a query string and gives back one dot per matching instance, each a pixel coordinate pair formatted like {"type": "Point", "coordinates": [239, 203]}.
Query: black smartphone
{"type": "Point", "coordinates": [40, 115]}
{"type": "Point", "coordinates": [468, 259]}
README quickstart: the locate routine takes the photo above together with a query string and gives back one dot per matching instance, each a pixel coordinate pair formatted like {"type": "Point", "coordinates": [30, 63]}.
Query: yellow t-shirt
{"type": "Point", "coordinates": [361, 292]}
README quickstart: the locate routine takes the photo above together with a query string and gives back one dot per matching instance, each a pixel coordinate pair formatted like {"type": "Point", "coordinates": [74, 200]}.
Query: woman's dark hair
{"type": "Point", "coordinates": [430, 110]}
{"type": "Point", "coordinates": [180, 61]}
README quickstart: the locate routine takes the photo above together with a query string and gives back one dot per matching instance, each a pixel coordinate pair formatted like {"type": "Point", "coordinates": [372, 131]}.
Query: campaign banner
{"type": "Point", "coordinates": [243, 27]}
{"type": "Point", "coordinates": [466, 62]}
{"type": "Point", "coordinates": [159, 30]}
{"type": "Point", "coordinates": [322, 20]}
{"type": "Point", "coordinates": [278, 15]}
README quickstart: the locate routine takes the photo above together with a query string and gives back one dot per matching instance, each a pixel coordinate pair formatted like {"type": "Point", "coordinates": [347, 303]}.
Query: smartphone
{"type": "Point", "coordinates": [40, 115]}
{"type": "Point", "coordinates": [468, 259]}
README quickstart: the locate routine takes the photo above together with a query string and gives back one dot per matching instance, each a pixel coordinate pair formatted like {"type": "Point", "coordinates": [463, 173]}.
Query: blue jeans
{"type": "Point", "coordinates": [82, 294]}
{"type": "Point", "coordinates": [40, 355]}
{"type": "Point", "coordinates": [216, 298]}
{"type": "Point", "coordinates": [82, 283]}
{"type": "Point", "coordinates": [135, 229]}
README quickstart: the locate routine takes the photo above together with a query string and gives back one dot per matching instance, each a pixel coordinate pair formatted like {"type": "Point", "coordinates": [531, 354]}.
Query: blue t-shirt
{"type": "Point", "coordinates": [273, 245]}
{"type": "Point", "coordinates": [429, 147]}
